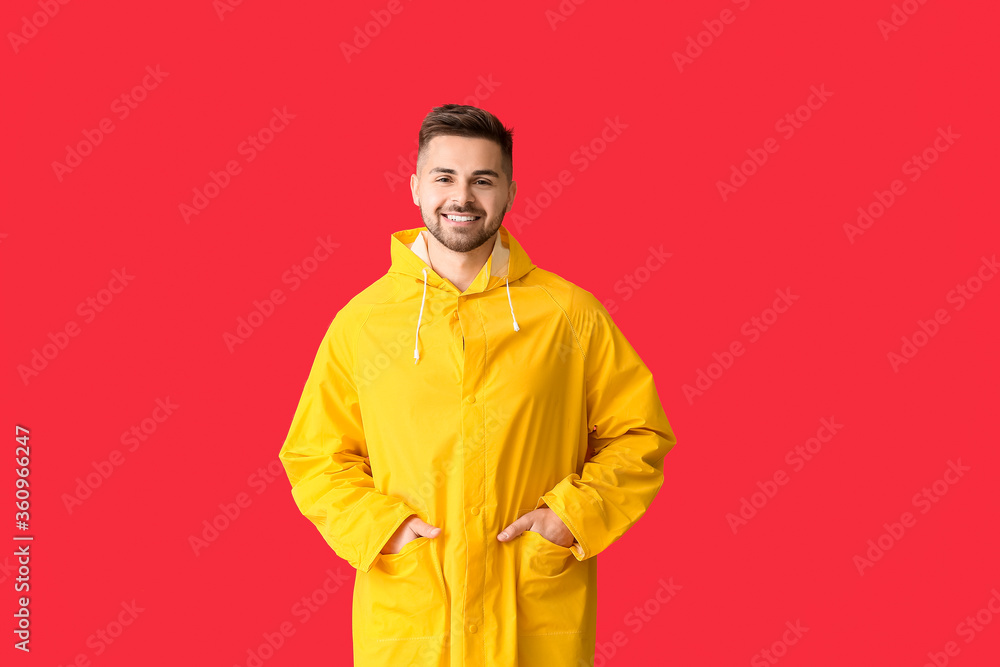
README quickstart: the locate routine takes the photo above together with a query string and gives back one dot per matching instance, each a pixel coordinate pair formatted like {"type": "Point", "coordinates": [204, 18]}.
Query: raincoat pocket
{"type": "Point", "coordinates": [553, 588]}
{"type": "Point", "coordinates": [403, 595]}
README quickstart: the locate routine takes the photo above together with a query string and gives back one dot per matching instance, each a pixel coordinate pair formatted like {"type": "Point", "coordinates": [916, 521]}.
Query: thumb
{"type": "Point", "coordinates": [423, 529]}
{"type": "Point", "coordinates": [513, 530]}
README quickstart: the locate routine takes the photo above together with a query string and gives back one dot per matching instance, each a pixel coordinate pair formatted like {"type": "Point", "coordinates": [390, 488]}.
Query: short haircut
{"type": "Point", "coordinates": [462, 120]}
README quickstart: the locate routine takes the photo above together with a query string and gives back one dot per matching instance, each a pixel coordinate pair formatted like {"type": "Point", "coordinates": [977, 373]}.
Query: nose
{"type": "Point", "coordinates": [462, 195]}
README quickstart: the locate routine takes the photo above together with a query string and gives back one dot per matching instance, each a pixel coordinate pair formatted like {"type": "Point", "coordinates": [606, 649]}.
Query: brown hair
{"type": "Point", "coordinates": [467, 121]}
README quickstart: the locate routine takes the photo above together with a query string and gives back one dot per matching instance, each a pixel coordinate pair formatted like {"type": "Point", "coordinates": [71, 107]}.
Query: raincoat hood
{"type": "Point", "coordinates": [410, 257]}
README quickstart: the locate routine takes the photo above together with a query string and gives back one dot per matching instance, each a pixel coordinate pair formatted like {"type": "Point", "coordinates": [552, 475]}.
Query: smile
{"type": "Point", "coordinates": [460, 218]}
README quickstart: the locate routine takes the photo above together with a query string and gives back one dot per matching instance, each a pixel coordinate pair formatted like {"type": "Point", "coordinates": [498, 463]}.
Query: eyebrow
{"type": "Point", "coordinates": [477, 172]}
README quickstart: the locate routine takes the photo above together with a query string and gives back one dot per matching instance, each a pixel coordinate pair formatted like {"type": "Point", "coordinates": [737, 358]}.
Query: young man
{"type": "Point", "coordinates": [472, 482]}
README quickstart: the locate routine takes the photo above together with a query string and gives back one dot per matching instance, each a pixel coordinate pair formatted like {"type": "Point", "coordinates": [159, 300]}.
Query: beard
{"type": "Point", "coordinates": [462, 239]}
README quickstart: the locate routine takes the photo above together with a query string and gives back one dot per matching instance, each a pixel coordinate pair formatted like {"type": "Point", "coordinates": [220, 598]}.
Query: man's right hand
{"type": "Point", "coordinates": [411, 528]}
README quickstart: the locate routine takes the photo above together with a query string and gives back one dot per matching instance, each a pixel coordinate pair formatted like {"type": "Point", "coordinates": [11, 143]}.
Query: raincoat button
{"type": "Point", "coordinates": [475, 511]}
{"type": "Point", "coordinates": [473, 629]}
{"type": "Point", "coordinates": [472, 399]}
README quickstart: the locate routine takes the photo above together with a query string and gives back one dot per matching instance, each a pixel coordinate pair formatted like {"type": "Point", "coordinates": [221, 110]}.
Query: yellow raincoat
{"type": "Point", "coordinates": [520, 393]}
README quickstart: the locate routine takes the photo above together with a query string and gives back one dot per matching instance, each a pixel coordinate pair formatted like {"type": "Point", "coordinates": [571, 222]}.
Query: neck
{"type": "Point", "coordinates": [460, 268]}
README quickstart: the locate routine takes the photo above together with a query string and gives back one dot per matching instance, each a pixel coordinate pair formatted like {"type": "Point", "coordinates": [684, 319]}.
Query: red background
{"type": "Point", "coordinates": [654, 185]}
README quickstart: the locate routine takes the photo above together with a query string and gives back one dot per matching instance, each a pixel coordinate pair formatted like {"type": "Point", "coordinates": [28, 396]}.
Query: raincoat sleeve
{"type": "Point", "coordinates": [326, 457]}
{"type": "Point", "coordinates": [628, 433]}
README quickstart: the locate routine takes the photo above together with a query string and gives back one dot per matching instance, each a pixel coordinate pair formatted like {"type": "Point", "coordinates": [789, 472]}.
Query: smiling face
{"type": "Point", "coordinates": [460, 178]}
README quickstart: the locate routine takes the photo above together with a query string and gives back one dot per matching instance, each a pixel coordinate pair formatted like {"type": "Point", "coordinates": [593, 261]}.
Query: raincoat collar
{"type": "Point", "coordinates": [408, 252]}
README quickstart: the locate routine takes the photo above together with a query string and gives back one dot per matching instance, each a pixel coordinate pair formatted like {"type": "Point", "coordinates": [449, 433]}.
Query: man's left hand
{"type": "Point", "coordinates": [543, 521]}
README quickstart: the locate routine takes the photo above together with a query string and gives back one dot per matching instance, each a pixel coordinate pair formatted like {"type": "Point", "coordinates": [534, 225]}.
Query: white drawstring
{"type": "Point", "coordinates": [416, 354]}
{"type": "Point", "coordinates": [516, 328]}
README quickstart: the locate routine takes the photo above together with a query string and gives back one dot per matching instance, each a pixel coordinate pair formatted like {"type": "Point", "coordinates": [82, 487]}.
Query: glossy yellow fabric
{"type": "Point", "coordinates": [489, 424]}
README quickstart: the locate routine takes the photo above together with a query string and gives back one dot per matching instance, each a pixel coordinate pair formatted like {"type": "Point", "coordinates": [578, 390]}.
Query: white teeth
{"type": "Point", "coordinates": [461, 218]}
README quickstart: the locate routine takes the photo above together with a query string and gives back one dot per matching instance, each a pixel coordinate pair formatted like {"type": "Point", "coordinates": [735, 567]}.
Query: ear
{"type": "Point", "coordinates": [511, 193]}
{"type": "Point", "coordinates": [414, 182]}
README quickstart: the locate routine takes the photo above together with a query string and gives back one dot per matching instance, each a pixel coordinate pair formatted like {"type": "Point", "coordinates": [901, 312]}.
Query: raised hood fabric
{"type": "Point", "coordinates": [523, 394]}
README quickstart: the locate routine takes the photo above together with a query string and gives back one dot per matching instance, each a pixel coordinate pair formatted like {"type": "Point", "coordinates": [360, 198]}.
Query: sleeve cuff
{"type": "Point", "coordinates": [554, 503]}
{"type": "Point", "coordinates": [403, 514]}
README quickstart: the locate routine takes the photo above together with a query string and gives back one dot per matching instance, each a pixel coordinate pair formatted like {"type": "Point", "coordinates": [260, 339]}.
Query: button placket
{"type": "Point", "coordinates": [475, 484]}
